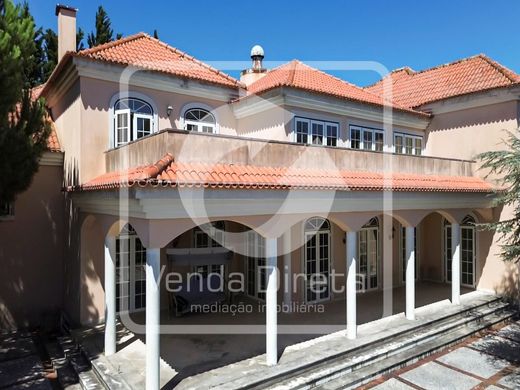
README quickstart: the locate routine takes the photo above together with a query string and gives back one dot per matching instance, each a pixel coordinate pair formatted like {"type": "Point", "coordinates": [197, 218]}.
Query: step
{"type": "Point", "coordinates": [378, 349]}
{"type": "Point", "coordinates": [370, 372]}
{"type": "Point", "coordinates": [77, 361]}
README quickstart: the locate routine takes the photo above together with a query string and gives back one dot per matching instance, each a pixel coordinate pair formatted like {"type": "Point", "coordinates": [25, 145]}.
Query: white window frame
{"type": "Point", "coordinates": [310, 122]}
{"type": "Point", "coordinates": [112, 118]}
{"type": "Point", "coordinates": [127, 113]}
{"type": "Point", "coordinates": [255, 256]}
{"type": "Point", "coordinates": [134, 124]}
{"type": "Point", "coordinates": [198, 105]}
{"type": "Point", "coordinates": [366, 130]}
{"type": "Point", "coordinates": [413, 138]}
{"type": "Point", "coordinates": [366, 231]}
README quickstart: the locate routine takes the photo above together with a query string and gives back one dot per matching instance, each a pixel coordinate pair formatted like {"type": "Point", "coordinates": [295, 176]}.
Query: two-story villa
{"type": "Point", "coordinates": [160, 160]}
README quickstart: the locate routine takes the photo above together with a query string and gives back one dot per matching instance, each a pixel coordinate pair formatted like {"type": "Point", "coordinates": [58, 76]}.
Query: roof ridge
{"type": "Point", "coordinates": [154, 170]}
{"type": "Point", "coordinates": [191, 58]}
{"type": "Point", "coordinates": [113, 43]}
{"type": "Point", "coordinates": [508, 73]}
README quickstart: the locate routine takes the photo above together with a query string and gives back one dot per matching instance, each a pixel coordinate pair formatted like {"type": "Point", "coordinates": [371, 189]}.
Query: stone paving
{"type": "Point", "coordinates": [490, 362]}
{"type": "Point", "coordinates": [20, 365]}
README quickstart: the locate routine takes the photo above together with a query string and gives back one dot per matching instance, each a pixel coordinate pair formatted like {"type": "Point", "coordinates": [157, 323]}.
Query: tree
{"type": "Point", "coordinates": [23, 126]}
{"type": "Point", "coordinates": [155, 34]}
{"type": "Point", "coordinates": [506, 164]}
{"type": "Point", "coordinates": [50, 50]}
{"type": "Point", "coordinates": [104, 32]}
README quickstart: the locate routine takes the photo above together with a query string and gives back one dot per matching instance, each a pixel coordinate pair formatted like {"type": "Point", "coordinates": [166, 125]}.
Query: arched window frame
{"type": "Point", "coordinates": [201, 106]}
{"type": "Point", "coordinates": [132, 130]}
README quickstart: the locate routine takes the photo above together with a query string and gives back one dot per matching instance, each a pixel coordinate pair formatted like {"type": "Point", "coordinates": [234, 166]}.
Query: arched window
{"type": "Point", "coordinates": [133, 119]}
{"type": "Point", "coordinates": [199, 119]}
{"type": "Point", "coordinates": [317, 259]}
{"type": "Point", "coordinates": [317, 223]}
{"type": "Point", "coordinates": [468, 221]}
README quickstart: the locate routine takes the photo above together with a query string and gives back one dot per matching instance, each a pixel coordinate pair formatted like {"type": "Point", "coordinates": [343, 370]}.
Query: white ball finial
{"type": "Point", "coordinates": [257, 50]}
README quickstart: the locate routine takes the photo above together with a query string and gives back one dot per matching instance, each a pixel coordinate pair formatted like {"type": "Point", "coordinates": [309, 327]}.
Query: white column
{"type": "Point", "coordinates": [351, 242]}
{"type": "Point", "coordinates": [455, 264]}
{"type": "Point", "coordinates": [410, 273]}
{"type": "Point", "coordinates": [287, 293]}
{"type": "Point", "coordinates": [271, 320]}
{"type": "Point", "coordinates": [110, 296]}
{"type": "Point", "coordinates": [153, 265]}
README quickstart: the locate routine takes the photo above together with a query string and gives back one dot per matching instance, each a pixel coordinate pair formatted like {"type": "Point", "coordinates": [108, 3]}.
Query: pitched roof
{"type": "Point", "coordinates": [167, 172]}
{"type": "Point", "coordinates": [143, 51]}
{"type": "Point", "coordinates": [296, 74]}
{"type": "Point", "coordinates": [469, 75]}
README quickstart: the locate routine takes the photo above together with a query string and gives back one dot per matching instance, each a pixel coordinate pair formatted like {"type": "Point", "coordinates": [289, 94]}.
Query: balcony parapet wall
{"type": "Point", "coordinates": [211, 148]}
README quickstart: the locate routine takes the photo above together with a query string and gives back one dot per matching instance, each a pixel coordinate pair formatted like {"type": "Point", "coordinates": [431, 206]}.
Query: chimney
{"type": "Point", "coordinates": [257, 71]}
{"type": "Point", "coordinates": [66, 29]}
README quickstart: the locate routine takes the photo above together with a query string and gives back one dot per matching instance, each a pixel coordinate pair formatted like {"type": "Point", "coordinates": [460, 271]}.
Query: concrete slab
{"type": "Point", "coordinates": [433, 376]}
{"type": "Point", "coordinates": [40, 384]}
{"type": "Point", "coordinates": [392, 384]}
{"type": "Point", "coordinates": [511, 381]}
{"type": "Point", "coordinates": [474, 362]}
{"type": "Point", "coordinates": [500, 347]}
{"type": "Point", "coordinates": [14, 346]}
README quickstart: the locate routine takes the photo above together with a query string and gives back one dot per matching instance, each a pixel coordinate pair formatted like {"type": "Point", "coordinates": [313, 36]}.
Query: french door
{"type": "Point", "coordinates": [317, 266]}
{"type": "Point", "coordinates": [130, 272]}
{"type": "Point", "coordinates": [467, 254]}
{"type": "Point", "coordinates": [368, 264]}
{"type": "Point", "coordinates": [256, 265]}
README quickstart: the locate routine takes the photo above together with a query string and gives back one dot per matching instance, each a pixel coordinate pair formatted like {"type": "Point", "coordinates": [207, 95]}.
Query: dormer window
{"type": "Point", "coordinates": [133, 119]}
{"type": "Point", "coordinates": [199, 119]}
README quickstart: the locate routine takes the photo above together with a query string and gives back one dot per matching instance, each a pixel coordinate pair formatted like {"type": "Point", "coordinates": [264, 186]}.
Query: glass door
{"type": "Point", "coordinates": [317, 266]}
{"type": "Point", "coordinates": [368, 255]}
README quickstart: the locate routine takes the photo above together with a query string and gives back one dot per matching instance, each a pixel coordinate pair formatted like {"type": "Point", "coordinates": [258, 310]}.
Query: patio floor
{"type": "Point", "coordinates": [190, 354]}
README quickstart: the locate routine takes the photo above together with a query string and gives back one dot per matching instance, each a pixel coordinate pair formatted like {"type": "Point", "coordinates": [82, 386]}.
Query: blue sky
{"type": "Point", "coordinates": [419, 34]}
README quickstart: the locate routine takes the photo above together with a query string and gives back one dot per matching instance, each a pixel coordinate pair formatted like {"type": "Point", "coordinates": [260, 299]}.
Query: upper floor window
{"type": "Point", "coordinates": [209, 235]}
{"type": "Point", "coordinates": [407, 144]}
{"type": "Point", "coordinates": [133, 119]}
{"type": "Point", "coordinates": [199, 119]}
{"type": "Point", "coordinates": [315, 132]}
{"type": "Point", "coordinates": [367, 138]}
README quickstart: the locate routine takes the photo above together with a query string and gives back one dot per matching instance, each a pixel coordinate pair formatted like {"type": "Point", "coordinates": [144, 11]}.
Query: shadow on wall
{"type": "Point", "coordinates": [31, 254]}
{"type": "Point", "coordinates": [510, 283]}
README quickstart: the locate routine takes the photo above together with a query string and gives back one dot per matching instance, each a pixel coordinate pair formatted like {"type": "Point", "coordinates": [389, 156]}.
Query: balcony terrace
{"type": "Point", "coordinates": [215, 148]}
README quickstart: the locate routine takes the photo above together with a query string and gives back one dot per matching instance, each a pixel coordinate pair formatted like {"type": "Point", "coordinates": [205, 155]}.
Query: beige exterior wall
{"type": "Point", "coordinates": [464, 134]}
{"type": "Point", "coordinates": [31, 254]}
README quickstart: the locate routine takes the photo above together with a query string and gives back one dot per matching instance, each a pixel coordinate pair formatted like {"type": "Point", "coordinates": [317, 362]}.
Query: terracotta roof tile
{"type": "Point", "coordinates": [296, 74]}
{"type": "Point", "coordinates": [469, 75]}
{"type": "Point", "coordinates": [167, 172]}
{"type": "Point", "coordinates": [143, 51]}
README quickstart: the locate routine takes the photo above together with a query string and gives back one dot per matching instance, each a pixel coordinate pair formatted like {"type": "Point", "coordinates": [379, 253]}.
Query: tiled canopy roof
{"type": "Point", "coordinates": [296, 74]}
{"type": "Point", "coordinates": [469, 75]}
{"type": "Point", "coordinates": [167, 172]}
{"type": "Point", "coordinates": [143, 51]}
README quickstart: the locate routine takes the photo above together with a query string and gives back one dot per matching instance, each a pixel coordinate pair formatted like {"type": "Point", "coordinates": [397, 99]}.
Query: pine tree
{"type": "Point", "coordinates": [23, 127]}
{"type": "Point", "coordinates": [104, 32]}
{"type": "Point", "coordinates": [506, 164]}
{"type": "Point", "coordinates": [50, 50]}
{"type": "Point", "coordinates": [155, 34]}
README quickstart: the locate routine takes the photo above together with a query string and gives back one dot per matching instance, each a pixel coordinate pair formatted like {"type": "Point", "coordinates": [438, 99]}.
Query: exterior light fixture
{"type": "Point", "coordinates": [169, 110]}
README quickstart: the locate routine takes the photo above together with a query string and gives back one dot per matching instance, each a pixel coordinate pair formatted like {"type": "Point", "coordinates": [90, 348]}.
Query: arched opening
{"type": "Point", "coordinates": [133, 118]}
{"type": "Point", "coordinates": [317, 259]}
{"type": "Point", "coordinates": [200, 120]}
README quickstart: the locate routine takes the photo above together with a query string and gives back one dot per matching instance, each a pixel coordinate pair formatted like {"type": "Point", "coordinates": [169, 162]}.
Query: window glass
{"type": "Point", "coordinates": [355, 138]}
{"type": "Point", "coordinates": [332, 134]}
{"type": "Point", "coordinates": [133, 119]}
{"type": "Point", "coordinates": [317, 133]}
{"type": "Point", "coordinates": [418, 146]}
{"type": "Point", "coordinates": [309, 131]}
{"type": "Point", "coordinates": [367, 140]}
{"type": "Point", "coordinates": [379, 141]}
{"type": "Point", "coordinates": [302, 131]}
{"type": "Point", "coordinates": [408, 144]}
{"type": "Point", "coordinates": [198, 119]}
